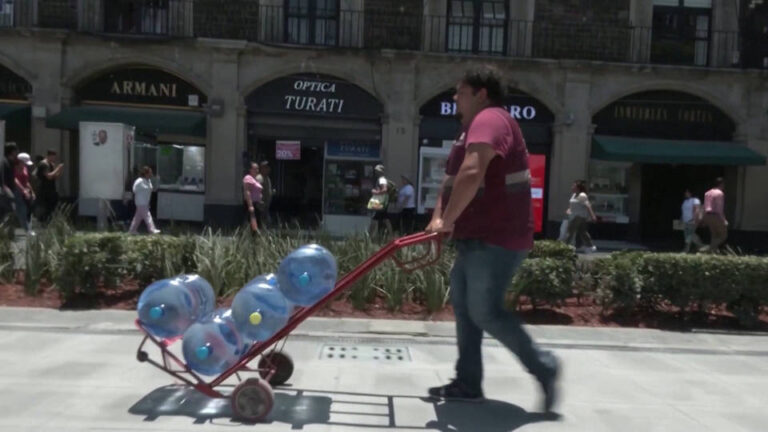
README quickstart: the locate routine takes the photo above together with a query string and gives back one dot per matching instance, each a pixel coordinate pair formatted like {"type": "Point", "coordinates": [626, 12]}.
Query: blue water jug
{"type": "Point", "coordinates": [307, 274]}
{"type": "Point", "coordinates": [213, 344]}
{"type": "Point", "coordinates": [260, 309]}
{"type": "Point", "coordinates": [169, 306]}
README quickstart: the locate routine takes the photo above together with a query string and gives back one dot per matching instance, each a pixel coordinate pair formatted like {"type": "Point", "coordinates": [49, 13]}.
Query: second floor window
{"type": "Point", "coordinates": [477, 26]}
{"type": "Point", "coordinates": [312, 22]}
{"type": "Point", "coordinates": [6, 13]}
{"type": "Point", "coordinates": [681, 31]}
{"type": "Point", "coordinates": [136, 16]}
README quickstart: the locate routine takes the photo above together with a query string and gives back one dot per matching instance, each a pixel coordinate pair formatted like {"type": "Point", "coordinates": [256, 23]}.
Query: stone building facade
{"type": "Point", "coordinates": [574, 58]}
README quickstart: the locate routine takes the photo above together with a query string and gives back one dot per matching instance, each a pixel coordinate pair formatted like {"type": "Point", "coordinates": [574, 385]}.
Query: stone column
{"type": "Point", "coordinates": [572, 144]}
{"type": "Point", "coordinates": [47, 95]}
{"type": "Point", "coordinates": [226, 138]}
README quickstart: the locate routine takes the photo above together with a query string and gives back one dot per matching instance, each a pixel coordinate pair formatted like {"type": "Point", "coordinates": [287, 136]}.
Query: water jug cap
{"type": "Point", "coordinates": [255, 318]}
{"type": "Point", "coordinates": [304, 279]}
{"type": "Point", "coordinates": [157, 312]}
{"type": "Point", "coordinates": [203, 352]}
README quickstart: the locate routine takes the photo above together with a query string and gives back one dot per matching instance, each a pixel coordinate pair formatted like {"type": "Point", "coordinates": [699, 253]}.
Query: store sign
{"type": "Point", "coordinates": [664, 114]}
{"type": "Point", "coordinates": [314, 95]}
{"type": "Point", "coordinates": [143, 86]}
{"type": "Point", "coordinates": [521, 107]}
{"type": "Point", "coordinates": [12, 86]}
{"type": "Point", "coordinates": [538, 166]}
{"type": "Point", "coordinates": [288, 150]}
{"type": "Point", "coordinates": [353, 149]}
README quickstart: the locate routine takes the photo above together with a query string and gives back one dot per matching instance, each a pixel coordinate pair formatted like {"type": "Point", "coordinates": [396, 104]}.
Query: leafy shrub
{"type": "Point", "coordinates": [544, 280]}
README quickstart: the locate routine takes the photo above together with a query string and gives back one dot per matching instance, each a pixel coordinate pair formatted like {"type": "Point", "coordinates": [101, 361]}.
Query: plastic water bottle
{"type": "Point", "coordinates": [307, 274]}
{"type": "Point", "coordinates": [260, 309]}
{"type": "Point", "coordinates": [213, 344]}
{"type": "Point", "coordinates": [169, 306]}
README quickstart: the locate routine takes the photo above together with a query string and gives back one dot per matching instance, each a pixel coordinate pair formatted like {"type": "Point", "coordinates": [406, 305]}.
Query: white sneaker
{"type": "Point", "coordinates": [156, 231]}
{"type": "Point", "coordinates": [589, 249]}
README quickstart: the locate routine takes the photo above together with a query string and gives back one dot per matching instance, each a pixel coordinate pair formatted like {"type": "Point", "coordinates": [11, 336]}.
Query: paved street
{"type": "Point", "coordinates": [76, 371]}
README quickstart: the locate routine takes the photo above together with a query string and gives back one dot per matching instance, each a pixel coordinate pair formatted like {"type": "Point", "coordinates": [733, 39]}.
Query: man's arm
{"type": "Point", "coordinates": [467, 182]}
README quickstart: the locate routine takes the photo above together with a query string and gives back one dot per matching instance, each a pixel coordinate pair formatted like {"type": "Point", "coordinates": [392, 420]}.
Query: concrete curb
{"type": "Point", "coordinates": [646, 340]}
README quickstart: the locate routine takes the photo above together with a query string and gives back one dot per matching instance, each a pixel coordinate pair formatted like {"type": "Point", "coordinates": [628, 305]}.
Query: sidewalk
{"type": "Point", "coordinates": [77, 371]}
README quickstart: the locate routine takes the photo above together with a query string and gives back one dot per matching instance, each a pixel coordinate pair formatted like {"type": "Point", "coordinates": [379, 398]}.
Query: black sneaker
{"type": "Point", "coordinates": [549, 386]}
{"type": "Point", "coordinates": [455, 391]}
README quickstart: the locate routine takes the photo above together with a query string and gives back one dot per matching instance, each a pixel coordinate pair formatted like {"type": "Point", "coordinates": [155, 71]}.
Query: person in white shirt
{"type": "Point", "coordinates": [142, 194]}
{"type": "Point", "coordinates": [382, 191]}
{"type": "Point", "coordinates": [691, 217]}
{"type": "Point", "coordinates": [406, 202]}
{"type": "Point", "coordinates": [579, 215]}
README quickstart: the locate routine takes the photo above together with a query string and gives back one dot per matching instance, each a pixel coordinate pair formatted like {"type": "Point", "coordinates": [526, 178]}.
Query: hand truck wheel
{"type": "Point", "coordinates": [252, 400]}
{"type": "Point", "coordinates": [281, 363]}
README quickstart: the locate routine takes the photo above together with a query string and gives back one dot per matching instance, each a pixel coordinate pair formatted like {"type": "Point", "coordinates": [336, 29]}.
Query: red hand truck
{"type": "Point", "coordinates": [252, 399]}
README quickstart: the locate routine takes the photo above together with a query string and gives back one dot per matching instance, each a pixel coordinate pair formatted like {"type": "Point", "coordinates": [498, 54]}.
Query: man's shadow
{"type": "Point", "coordinates": [299, 408]}
{"type": "Point", "coordinates": [488, 416]}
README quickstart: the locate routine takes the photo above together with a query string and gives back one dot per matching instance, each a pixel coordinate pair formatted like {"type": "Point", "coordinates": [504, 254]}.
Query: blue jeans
{"type": "Point", "coordinates": [479, 280]}
{"type": "Point", "coordinates": [21, 209]}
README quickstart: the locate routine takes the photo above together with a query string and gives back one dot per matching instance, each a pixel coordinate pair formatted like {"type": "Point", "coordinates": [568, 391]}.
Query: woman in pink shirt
{"type": "Point", "coordinates": [252, 194]}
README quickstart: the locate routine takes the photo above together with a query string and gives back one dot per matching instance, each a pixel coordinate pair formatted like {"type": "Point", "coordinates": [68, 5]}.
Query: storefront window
{"type": "Point", "coordinates": [176, 167]}
{"type": "Point", "coordinates": [608, 191]}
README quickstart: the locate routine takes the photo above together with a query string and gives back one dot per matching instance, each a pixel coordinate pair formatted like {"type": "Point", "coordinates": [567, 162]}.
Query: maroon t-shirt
{"type": "Point", "coordinates": [501, 212]}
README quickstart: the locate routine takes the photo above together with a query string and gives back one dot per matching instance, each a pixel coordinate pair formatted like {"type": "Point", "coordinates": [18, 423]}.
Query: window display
{"type": "Point", "coordinates": [432, 170]}
{"type": "Point", "coordinates": [176, 167]}
{"type": "Point", "coordinates": [348, 187]}
{"type": "Point", "coordinates": [608, 191]}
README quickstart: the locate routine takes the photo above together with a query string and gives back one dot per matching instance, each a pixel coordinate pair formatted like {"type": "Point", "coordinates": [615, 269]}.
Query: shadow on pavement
{"type": "Point", "coordinates": [300, 408]}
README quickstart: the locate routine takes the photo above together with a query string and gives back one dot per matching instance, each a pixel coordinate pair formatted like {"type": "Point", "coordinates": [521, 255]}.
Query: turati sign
{"type": "Point", "coordinates": [314, 95]}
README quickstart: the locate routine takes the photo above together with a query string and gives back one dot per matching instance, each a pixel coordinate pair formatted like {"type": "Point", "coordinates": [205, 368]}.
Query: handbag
{"type": "Point", "coordinates": [378, 202]}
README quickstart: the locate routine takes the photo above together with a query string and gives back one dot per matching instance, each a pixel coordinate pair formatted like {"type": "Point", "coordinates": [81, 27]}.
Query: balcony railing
{"type": "Point", "coordinates": [37, 13]}
{"type": "Point", "coordinates": [163, 18]}
{"type": "Point", "coordinates": [272, 23]}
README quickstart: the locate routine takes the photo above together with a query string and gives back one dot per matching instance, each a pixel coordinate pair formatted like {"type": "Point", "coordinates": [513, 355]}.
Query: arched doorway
{"type": "Point", "coordinates": [158, 119]}
{"type": "Point", "coordinates": [439, 128]}
{"type": "Point", "coordinates": [322, 136]}
{"type": "Point", "coordinates": [647, 149]}
{"type": "Point", "coordinates": [15, 112]}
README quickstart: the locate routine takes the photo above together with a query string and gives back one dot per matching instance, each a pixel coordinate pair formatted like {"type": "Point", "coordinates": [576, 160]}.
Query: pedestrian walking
{"type": "Point", "coordinates": [406, 202]}
{"type": "Point", "coordinates": [485, 204]}
{"type": "Point", "coordinates": [252, 196]}
{"type": "Point", "coordinates": [714, 215]}
{"type": "Point", "coordinates": [579, 214]}
{"type": "Point", "coordinates": [691, 217]}
{"type": "Point", "coordinates": [142, 194]}
{"type": "Point", "coordinates": [25, 196]}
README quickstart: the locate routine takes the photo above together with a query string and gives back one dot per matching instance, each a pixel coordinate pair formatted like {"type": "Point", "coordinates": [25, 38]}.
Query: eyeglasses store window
{"type": "Point", "coordinates": [176, 167]}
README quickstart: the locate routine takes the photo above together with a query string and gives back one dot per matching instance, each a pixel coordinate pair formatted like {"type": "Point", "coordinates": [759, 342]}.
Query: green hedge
{"type": "Point", "coordinates": [652, 280]}
{"type": "Point", "coordinates": [85, 263]}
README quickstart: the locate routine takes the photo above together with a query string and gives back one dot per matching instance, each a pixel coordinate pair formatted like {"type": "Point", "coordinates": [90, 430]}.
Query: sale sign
{"type": "Point", "coordinates": [288, 150]}
{"type": "Point", "coordinates": [538, 167]}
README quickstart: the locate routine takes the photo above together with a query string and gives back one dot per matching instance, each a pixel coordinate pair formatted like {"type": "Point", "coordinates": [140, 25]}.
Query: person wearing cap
{"type": "Point", "coordinates": [23, 192]}
{"type": "Point", "coordinates": [381, 190]}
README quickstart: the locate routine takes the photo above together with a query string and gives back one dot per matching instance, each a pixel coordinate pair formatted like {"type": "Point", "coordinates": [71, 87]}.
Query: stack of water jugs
{"type": "Point", "coordinates": [214, 340]}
